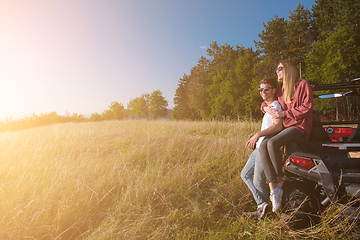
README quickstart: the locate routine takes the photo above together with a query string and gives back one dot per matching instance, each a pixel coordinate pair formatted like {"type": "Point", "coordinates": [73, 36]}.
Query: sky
{"type": "Point", "coordinates": [79, 56]}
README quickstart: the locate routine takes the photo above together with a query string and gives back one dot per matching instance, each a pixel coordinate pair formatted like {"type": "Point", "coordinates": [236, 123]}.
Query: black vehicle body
{"type": "Point", "coordinates": [326, 169]}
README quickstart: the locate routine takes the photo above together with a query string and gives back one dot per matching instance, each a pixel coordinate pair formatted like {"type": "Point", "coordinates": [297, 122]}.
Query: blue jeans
{"type": "Point", "coordinates": [254, 177]}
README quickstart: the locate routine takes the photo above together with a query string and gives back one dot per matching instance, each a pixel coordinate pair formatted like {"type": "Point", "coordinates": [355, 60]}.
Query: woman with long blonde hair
{"type": "Point", "coordinates": [296, 99]}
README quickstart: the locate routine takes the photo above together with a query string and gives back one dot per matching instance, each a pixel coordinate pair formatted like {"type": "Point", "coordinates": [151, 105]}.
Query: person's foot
{"type": "Point", "coordinates": [261, 211]}
{"type": "Point", "coordinates": [275, 198]}
{"type": "Point", "coordinates": [280, 185]}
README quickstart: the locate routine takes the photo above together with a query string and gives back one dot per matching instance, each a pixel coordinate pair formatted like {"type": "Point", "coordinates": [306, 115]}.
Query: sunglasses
{"type": "Point", "coordinates": [265, 89]}
{"type": "Point", "coordinates": [279, 69]}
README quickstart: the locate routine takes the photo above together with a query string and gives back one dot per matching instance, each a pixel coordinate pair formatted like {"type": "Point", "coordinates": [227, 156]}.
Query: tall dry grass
{"type": "Point", "coordinates": [132, 180]}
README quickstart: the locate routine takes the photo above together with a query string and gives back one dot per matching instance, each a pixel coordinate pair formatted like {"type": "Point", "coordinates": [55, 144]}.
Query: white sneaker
{"type": "Point", "coordinates": [275, 198]}
{"type": "Point", "coordinates": [280, 185]}
{"type": "Point", "coordinates": [261, 211]}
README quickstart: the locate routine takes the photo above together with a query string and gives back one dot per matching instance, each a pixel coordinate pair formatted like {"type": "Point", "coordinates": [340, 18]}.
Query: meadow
{"type": "Point", "coordinates": [137, 180]}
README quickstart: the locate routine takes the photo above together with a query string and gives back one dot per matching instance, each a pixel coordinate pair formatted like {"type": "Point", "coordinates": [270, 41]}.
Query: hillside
{"type": "Point", "coordinates": [133, 180]}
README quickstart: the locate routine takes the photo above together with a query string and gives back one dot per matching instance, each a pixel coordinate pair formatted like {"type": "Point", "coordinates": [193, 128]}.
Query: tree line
{"type": "Point", "coordinates": [149, 106]}
{"type": "Point", "coordinates": [324, 42]}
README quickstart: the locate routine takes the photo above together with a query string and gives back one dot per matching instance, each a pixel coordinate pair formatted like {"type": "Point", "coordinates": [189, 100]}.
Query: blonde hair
{"type": "Point", "coordinates": [289, 79]}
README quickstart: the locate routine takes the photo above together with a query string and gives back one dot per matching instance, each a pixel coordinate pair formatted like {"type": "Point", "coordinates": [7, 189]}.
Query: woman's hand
{"type": "Point", "coordinates": [276, 113]}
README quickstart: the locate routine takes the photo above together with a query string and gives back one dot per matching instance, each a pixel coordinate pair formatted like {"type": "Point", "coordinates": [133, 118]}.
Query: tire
{"type": "Point", "coordinates": [300, 208]}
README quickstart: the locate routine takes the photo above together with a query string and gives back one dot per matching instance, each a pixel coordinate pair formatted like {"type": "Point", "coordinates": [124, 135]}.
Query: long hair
{"type": "Point", "coordinates": [289, 79]}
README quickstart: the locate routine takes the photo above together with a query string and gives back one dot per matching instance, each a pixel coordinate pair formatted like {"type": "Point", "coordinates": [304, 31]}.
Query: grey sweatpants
{"type": "Point", "coordinates": [271, 154]}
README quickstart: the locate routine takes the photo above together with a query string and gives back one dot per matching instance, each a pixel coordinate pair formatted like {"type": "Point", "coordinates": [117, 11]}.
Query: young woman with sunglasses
{"type": "Point", "coordinates": [296, 99]}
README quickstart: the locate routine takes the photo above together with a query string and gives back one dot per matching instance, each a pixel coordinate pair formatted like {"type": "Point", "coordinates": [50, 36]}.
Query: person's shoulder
{"type": "Point", "coordinates": [302, 83]}
{"type": "Point", "coordinates": [276, 105]}
{"type": "Point", "coordinates": [263, 104]}
{"type": "Point", "coordinates": [275, 102]}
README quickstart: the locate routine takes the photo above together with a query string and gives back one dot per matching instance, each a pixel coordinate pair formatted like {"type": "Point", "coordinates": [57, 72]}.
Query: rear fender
{"type": "Point", "coordinates": [326, 179]}
{"type": "Point", "coordinates": [320, 168]}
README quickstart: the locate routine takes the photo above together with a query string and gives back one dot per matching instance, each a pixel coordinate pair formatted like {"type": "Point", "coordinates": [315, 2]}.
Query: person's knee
{"type": "Point", "coordinates": [263, 146]}
{"type": "Point", "coordinates": [244, 175]}
{"type": "Point", "coordinates": [273, 143]}
{"type": "Point", "coordinates": [258, 184]}
{"type": "Point", "coordinates": [259, 181]}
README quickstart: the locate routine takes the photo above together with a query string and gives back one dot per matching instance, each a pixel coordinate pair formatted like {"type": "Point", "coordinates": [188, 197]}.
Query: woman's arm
{"type": "Point", "coordinates": [303, 104]}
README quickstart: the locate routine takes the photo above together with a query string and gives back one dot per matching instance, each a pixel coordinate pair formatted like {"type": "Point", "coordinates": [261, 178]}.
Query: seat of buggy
{"type": "Point", "coordinates": [317, 137]}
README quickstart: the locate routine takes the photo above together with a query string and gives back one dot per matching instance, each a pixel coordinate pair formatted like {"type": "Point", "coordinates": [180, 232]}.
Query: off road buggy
{"type": "Point", "coordinates": [327, 168]}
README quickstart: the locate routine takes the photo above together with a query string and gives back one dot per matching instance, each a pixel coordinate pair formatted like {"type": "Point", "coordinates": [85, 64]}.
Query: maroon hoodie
{"type": "Point", "coordinates": [299, 112]}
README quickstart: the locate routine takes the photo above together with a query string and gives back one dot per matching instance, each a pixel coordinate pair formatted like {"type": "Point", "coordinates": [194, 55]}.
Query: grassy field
{"type": "Point", "coordinates": [136, 180]}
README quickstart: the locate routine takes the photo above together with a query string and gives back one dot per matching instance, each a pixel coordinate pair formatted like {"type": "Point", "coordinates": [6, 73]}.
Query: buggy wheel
{"type": "Point", "coordinates": [300, 207]}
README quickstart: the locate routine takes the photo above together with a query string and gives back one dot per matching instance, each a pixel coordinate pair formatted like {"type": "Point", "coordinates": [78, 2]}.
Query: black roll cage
{"type": "Point", "coordinates": [350, 89]}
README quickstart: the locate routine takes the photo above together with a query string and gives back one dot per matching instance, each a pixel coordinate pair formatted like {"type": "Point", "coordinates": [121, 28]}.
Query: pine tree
{"type": "Point", "coordinates": [299, 38]}
{"type": "Point", "coordinates": [158, 105]}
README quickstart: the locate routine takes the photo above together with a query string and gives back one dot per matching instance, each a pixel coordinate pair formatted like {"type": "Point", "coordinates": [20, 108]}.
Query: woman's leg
{"type": "Point", "coordinates": [271, 150]}
{"type": "Point", "coordinates": [281, 139]}
{"type": "Point", "coordinates": [266, 161]}
{"type": "Point", "coordinates": [271, 154]}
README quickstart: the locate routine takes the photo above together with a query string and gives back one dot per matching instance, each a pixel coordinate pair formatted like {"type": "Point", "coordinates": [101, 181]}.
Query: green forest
{"type": "Point", "coordinates": [323, 41]}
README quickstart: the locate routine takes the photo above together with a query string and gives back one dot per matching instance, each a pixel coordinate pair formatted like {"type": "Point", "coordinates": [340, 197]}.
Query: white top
{"type": "Point", "coordinates": [267, 120]}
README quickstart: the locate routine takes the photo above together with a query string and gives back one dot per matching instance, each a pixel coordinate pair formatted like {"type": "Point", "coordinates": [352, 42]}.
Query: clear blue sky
{"type": "Point", "coordinates": [81, 55]}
